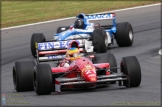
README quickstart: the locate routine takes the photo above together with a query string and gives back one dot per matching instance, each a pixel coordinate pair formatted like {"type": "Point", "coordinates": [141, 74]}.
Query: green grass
{"type": "Point", "coordinates": [23, 12]}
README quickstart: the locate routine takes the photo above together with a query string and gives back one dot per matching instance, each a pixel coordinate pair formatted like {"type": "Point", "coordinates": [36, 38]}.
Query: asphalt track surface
{"type": "Point", "coordinates": [146, 23]}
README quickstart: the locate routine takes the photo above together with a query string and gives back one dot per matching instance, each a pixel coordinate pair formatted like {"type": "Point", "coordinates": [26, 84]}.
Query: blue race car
{"type": "Point", "coordinates": [92, 37]}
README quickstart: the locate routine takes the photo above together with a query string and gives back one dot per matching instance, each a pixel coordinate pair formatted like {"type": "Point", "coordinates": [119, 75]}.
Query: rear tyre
{"type": "Point", "coordinates": [23, 75]}
{"type": "Point", "coordinates": [106, 58]}
{"type": "Point", "coordinates": [124, 34]}
{"type": "Point", "coordinates": [105, 37]}
{"type": "Point", "coordinates": [98, 41]}
{"type": "Point", "coordinates": [62, 29]}
{"type": "Point", "coordinates": [36, 37]}
{"type": "Point", "coordinates": [131, 67]}
{"type": "Point", "coordinates": [42, 79]}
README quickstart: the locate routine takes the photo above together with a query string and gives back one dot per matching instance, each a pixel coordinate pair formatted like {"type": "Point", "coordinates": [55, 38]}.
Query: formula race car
{"type": "Point", "coordinates": [96, 37]}
{"type": "Point", "coordinates": [89, 71]}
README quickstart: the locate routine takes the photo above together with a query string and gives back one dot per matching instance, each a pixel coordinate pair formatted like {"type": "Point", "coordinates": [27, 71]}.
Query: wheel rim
{"type": "Point", "coordinates": [106, 39]}
{"type": "Point", "coordinates": [131, 35]}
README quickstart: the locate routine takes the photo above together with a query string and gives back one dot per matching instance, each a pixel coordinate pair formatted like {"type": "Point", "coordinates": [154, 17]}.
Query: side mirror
{"type": "Point", "coordinates": [71, 27]}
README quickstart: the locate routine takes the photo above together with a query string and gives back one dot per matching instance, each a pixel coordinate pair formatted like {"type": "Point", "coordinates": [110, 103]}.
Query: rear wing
{"type": "Point", "coordinates": [103, 16]}
{"type": "Point", "coordinates": [54, 51]}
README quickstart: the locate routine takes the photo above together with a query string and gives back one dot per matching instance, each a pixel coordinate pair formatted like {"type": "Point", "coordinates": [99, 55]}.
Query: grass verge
{"type": "Point", "coordinates": [24, 12]}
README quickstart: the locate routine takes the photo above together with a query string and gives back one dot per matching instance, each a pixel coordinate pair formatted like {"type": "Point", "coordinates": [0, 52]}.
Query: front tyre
{"type": "Point", "coordinates": [131, 67]}
{"type": "Point", "coordinates": [42, 79]}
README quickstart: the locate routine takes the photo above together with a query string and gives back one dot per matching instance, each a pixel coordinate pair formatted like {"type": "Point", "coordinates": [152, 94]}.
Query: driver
{"type": "Point", "coordinates": [72, 54]}
{"type": "Point", "coordinates": [73, 51]}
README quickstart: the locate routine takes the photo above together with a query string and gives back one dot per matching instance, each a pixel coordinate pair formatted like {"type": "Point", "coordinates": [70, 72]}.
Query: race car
{"type": "Point", "coordinates": [97, 37]}
{"type": "Point", "coordinates": [88, 71]}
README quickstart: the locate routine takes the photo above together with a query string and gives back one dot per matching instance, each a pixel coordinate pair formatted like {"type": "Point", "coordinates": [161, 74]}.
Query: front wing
{"type": "Point", "coordinates": [78, 80]}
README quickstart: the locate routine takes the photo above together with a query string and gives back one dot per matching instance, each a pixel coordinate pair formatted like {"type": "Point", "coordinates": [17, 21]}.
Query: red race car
{"type": "Point", "coordinates": [88, 71]}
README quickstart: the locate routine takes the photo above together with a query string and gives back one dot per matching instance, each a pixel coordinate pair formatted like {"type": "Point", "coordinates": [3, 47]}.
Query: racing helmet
{"type": "Point", "coordinates": [73, 44]}
{"type": "Point", "coordinates": [79, 23]}
{"type": "Point", "coordinates": [73, 51]}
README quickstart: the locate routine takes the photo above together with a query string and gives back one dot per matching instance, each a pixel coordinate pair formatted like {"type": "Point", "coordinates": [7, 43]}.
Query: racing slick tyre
{"type": "Point", "coordinates": [131, 67]}
{"type": "Point", "coordinates": [23, 75]}
{"type": "Point", "coordinates": [105, 37]}
{"type": "Point", "coordinates": [62, 28]}
{"type": "Point", "coordinates": [42, 81]}
{"type": "Point", "coordinates": [106, 58]}
{"type": "Point", "coordinates": [36, 37]}
{"type": "Point", "coordinates": [98, 41]}
{"type": "Point", "coordinates": [124, 34]}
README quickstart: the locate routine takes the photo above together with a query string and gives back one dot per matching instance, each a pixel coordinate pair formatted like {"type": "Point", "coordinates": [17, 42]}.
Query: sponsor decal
{"type": "Point", "coordinates": [112, 79]}
{"type": "Point", "coordinates": [101, 16]}
{"type": "Point", "coordinates": [55, 45]}
{"type": "Point", "coordinates": [57, 88]}
{"type": "Point", "coordinates": [88, 69]}
{"type": "Point", "coordinates": [74, 82]}
{"type": "Point", "coordinates": [108, 75]}
{"type": "Point", "coordinates": [56, 56]}
{"type": "Point", "coordinates": [68, 79]}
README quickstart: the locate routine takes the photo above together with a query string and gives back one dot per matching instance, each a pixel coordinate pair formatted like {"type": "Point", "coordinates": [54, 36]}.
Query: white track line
{"type": "Point", "coordinates": [138, 7]}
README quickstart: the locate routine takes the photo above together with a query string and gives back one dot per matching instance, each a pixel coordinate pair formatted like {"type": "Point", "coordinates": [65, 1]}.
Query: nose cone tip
{"type": "Point", "coordinates": [92, 79]}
